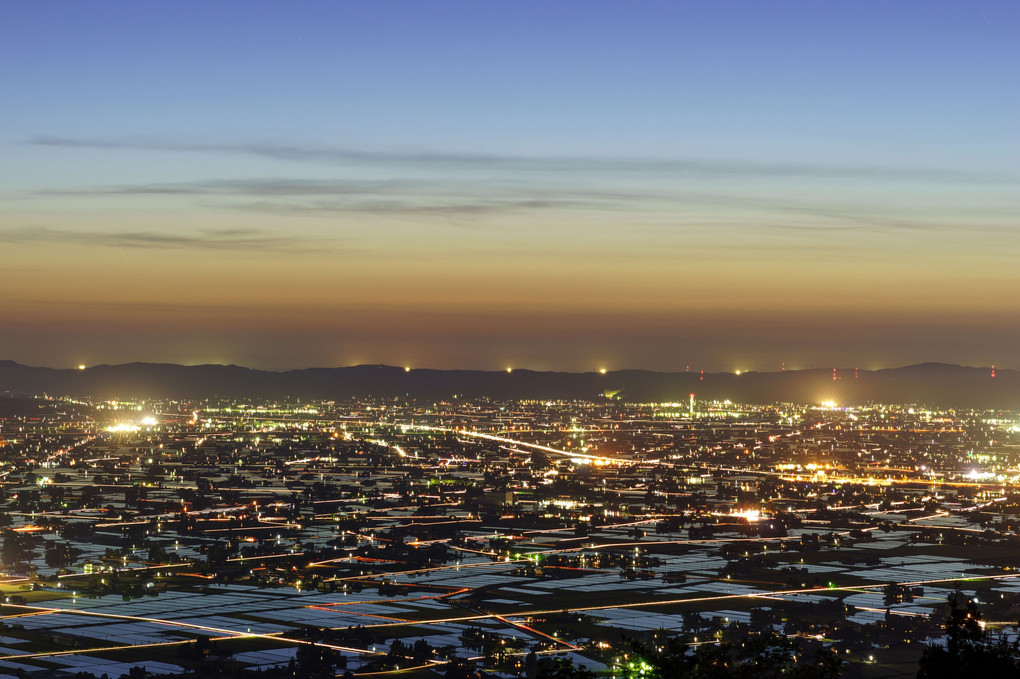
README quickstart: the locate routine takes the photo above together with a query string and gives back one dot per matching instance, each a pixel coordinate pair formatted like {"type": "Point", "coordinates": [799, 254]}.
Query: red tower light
{"type": "Point", "coordinates": [993, 370]}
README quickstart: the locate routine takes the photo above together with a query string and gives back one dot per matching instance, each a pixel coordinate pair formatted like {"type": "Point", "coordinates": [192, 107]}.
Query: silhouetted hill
{"type": "Point", "coordinates": [931, 383]}
{"type": "Point", "coordinates": [11, 406]}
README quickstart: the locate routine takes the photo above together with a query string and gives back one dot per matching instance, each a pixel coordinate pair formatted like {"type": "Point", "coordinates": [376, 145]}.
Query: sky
{"type": "Point", "coordinates": [548, 185]}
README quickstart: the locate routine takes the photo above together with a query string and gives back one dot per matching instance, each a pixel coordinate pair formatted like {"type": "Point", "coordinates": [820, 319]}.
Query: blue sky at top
{"type": "Point", "coordinates": [865, 146]}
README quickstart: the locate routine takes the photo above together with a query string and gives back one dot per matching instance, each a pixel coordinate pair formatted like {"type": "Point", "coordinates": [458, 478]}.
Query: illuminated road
{"type": "Point", "coordinates": [490, 437]}
{"type": "Point", "coordinates": [773, 594]}
{"type": "Point", "coordinates": [512, 619]}
{"type": "Point", "coordinates": [230, 633]}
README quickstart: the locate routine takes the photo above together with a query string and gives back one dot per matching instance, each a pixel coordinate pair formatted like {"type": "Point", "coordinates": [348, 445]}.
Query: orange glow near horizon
{"type": "Point", "coordinates": [456, 312]}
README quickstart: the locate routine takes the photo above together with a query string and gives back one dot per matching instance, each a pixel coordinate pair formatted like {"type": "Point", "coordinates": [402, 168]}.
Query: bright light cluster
{"type": "Point", "coordinates": [122, 428]}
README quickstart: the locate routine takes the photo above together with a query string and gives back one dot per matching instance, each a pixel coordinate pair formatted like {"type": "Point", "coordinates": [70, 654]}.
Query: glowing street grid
{"type": "Point", "coordinates": [552, 527]}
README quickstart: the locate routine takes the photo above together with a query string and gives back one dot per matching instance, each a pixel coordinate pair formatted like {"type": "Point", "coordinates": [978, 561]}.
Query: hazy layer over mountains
{"type": "Point", "coordinates": [928, 383]}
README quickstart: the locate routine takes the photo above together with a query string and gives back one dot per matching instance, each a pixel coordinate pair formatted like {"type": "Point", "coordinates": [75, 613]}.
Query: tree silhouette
{"type": "Point", "coordinates": [761, 656]}
{"type": "Point", "coordinates": [562, 668]}
{"type": "Point", "coordinates": [969, 650]}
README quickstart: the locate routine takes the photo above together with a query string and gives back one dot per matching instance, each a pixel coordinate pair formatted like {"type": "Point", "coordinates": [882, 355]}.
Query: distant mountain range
{"type": "Point", "coordinates": [937, 384]}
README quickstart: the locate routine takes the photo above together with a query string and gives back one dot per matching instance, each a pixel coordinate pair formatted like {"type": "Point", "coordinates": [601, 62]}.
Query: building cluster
{"type": "Point", "coordinates": [379, 535]}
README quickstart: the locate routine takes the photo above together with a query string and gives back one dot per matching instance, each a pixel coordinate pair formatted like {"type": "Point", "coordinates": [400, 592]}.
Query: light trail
{"type": "Point", "coordinates": [521, 626]}
{"type": "Point", "coordinates": [49, 654]}
{"type": "Point", "coordinates": [698, 600]}
{"type": "Point", "coordinates": [336, 604]}
{"type": "Point", "coordinates": [276, 636]}
{"type": "Point", "coordinates": [498, 439]}
{"type": "Point", "coordinates": [892, 611]}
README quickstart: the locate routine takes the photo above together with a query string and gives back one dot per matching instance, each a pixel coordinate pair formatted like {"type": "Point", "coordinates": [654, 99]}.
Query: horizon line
{"type": "Point", "coordinates": [510, 369]}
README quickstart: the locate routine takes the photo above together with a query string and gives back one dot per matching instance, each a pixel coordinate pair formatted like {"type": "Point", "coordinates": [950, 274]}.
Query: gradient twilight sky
{"type": "Point", "coordinates": [551, 185]}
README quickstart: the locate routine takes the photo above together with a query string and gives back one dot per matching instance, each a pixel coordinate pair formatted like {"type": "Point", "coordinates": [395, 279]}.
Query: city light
{"type": "Point", "coordinates": [122, 427]}
{"type": "Point", "coordinates": [253, 220]}
{"type": "Point", "coordinates": [415, 491]}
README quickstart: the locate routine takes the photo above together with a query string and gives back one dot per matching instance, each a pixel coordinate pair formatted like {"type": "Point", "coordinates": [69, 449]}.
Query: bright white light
{"type": "Point", "coordinates": [120, 428]}
{"type": "Point", "coordinates": [149, 421]}
{"type": "Point", "coordinates": [81, 367]}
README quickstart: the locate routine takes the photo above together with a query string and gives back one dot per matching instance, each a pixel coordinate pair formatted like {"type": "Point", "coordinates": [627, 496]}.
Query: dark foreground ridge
{"type": "Point", "coordinates": [935, 384]}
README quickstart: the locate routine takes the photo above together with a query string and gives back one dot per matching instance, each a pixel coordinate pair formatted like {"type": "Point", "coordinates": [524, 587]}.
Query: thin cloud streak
{"type": "Point", "coordinates": [211, 239]}
{"type": "Point", "coordinates": [411, 208]}
{"type": "Point", "coordinates": [252, 187]}
{"type": "Point", "coordinates": [465, 199]}
{"type": "Point", "coordinates": [383, 197]}
{"type": "Point", "coordinates": [554, 164]}
{"type": "Point", "coordinates": [344, 188]}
